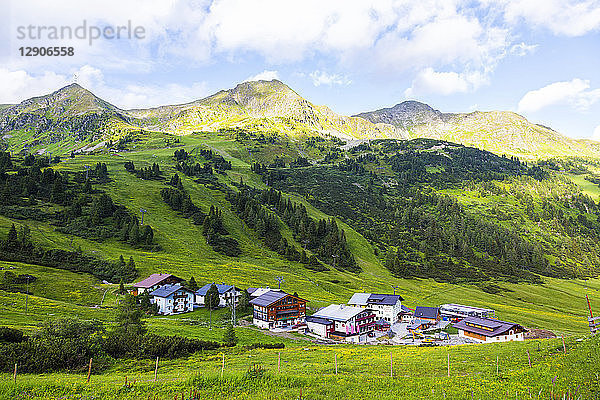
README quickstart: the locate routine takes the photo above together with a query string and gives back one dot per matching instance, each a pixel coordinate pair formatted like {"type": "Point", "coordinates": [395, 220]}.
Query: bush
{"type": "Point", "coordinates": [11, 335]}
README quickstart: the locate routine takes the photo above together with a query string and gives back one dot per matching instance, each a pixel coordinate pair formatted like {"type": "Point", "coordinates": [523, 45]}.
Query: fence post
{"type": "Point", "coordinates": [336, 369]}
{"type": "Point", "coordinates": [89, 371]}
{"type": "Point", "coordinates": [448, 365]}
{"type": "Point", "coordinates": [156, 369]}
{"type": "Point", "coordinates": [564, 347]}
{"type": "Point", "coordinates": [15, 374]}
{"type": "Point", "coordinates": [279, 362]}
{"type": "Point", "coordinates": [497, 359]}
{"type": "Point", "coordinates": [223, 366]}
{"type": "Point", "coordinates": [529, 358]}
{"type": "Point", "coordinates": [391, 365]}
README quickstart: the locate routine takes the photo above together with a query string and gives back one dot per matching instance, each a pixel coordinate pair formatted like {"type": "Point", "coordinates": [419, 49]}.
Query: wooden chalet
{"type": "Point", "coordinates": [486, 330]}
{"type": "Point", "coordinates": [277, 309]}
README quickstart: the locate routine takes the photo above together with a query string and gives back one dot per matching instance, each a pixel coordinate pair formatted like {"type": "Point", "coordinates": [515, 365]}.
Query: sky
{"type": "Point", "coordinates": [539, 58]}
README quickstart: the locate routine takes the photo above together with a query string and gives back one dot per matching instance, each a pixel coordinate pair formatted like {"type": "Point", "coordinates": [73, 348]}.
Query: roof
{"type": "Point", "coordinates": [222, 288]}
{"type": "Point", "coordinates": [338, 312]}
{"type": "Point", "coordinates": [359, 299]}
{"type": "Point", "coordinates": [406, 309]}
{"type": "Point", "coordinates": [427, 312]}
{"type": "Point", "coordinates": [153, 280]}
{"type": "Point", "coordinates": [417, 323]}
{"type": "Point", "coordinates": [365, 299]}
{"type": "Point", "coordinates": [256, 292]}
{"type": "Point", "coordinates": [167, 290]}
{"type": "Point", "coordinates": [268, 298]}
{"type": "Point", "coordinates": [486, 326]}
{"type": "Point", "coordinates": [385, 299]}
{"type": "Point", "coordinates": [318, 320]}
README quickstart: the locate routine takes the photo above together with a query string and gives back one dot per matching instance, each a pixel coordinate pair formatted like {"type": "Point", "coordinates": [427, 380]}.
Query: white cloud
{"type": "Point", "coordinates": [323, 78]}
{"type": "Point", "coordinates": [20, 85]}
{"type": "Point", "coordinates": [263, 76]}
{"type": "Point", "coordinates": [561, 17]}
{"type": "Point", "coordinates": [522, 49]}
{"type": "Point", "coordinates": [596, 134]}
{"type": "Point", "coordinates": [396, 35]}
{"type": "Point", "coordinates": [445, 83]}
{"type": "Point", "coordinates": [575, 93]}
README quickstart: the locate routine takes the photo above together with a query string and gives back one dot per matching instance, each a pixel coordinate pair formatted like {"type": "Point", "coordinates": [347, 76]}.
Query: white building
{"type": "Point", "coordinates": [227, 294]}
{"type": "Point", "coordinates": [173, 299]}
{"type": "Point", "coordinates": [385, 306]}
{"type": "Point", "coordinates": [457, 312]}
{"type": "Point", "coordinates": [487, 330]}
{"type": "Point", "coordinates": [342, 322]}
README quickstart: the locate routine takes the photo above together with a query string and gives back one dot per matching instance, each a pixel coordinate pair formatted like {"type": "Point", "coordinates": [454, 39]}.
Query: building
{"type": "Point", "coordinates": [456, 312]}
{"type": "Point", "coordinates": [427, 314]}
{"type": "Point", "coordinates": [173, 299]}
{"type": "Point", "coordinates": [278, 309]}
{"type": "Point", "coordinates": [154, 282]}
{"type": "Point", "coordinates": [406, 314]}
{"type": "Point", "coordinates": [488, 330]}
{"type": "Point", "coordinates": [382, 325]}
{"type": "Point", "coordinates": [384, 306]}
{"type": "Point", "coordinates": [342, 322]}
{"type": "Point", "coordinates": [227, 294]}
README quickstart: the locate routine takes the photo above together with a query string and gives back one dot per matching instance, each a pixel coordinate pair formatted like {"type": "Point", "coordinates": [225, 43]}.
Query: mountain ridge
{"type": "Point", "coordinates": [272, 107]}
{"type": "Point", "coordinates": [501, 132]}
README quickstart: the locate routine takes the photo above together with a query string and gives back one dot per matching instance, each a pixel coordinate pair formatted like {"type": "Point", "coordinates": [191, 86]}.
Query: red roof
{"type": "Point", "coordinates": [153, 280]}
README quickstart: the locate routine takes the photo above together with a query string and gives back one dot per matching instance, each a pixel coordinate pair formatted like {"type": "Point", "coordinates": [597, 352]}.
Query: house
{"type": "Point", "coordinates": [173, 299]}
{"type": "Point", "coordinates": [278, 309]}
{"type": "Point", "coordinates": [154, 282]}
{"type": "Point", "coordinates": [456, 312]}
{"type": "Point", "coordinates": [428, 314]}
{"type": "Point", "coordinates": [486, 330]}
{"type": "Point", "coordinates": [418, 324]}
{"type": "Point", "coordinates": [342, 322]}
{"type": "Point", "coordinates": [384, 306]}
{"type": "Point", "coordinates": [406, 314]}
{"type": "Point", "coordinates": [227, 294]}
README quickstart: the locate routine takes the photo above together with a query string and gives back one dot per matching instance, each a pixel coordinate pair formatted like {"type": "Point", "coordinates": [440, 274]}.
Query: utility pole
{"type": "Point", "coordinates": [143, 212]}
{"type": "Point", "coordinates": [232, 305]}
{"type": "Point", "coordinates": [395, 287]}
{"type": "Point", "coordinates": [279, 280]}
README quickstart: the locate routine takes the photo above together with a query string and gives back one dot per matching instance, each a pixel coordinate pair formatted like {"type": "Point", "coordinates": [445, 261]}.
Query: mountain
{"type": "Point", "coordinates": [501, 132]}
{"type": "Point", "coordinates": [71, 107]}
{"type": "Point", "coordinates": [406, 115]}
{"type": "Point", "coordinates": [265, 106]}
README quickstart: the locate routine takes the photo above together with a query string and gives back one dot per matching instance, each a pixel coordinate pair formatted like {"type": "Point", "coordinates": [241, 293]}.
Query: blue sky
{"type": "Point", "coordinates": [540, 58]}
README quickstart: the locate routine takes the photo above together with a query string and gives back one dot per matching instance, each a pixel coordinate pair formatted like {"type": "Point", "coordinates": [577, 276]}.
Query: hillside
{"type": "Point", "coordinates": [501, 132]}
{"type": "Point", "coordinates": [362, 187]}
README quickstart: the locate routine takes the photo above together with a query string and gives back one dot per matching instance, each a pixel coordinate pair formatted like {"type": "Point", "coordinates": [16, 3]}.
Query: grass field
{"type": "Point", "coordinates": [309, 372]}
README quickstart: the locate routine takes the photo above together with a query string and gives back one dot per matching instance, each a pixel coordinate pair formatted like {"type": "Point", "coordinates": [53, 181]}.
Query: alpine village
{"type": "Point", "coordinates": [252, 245]}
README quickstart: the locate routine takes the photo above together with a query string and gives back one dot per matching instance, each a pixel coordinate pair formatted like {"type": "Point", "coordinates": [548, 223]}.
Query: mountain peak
{"type": "Point", "coordinates": [405, 115]}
